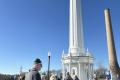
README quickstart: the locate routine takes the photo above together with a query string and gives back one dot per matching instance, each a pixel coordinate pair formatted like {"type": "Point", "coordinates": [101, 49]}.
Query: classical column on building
{"type": "Point", "coordinates": [63, 71]}
{"type": "Point", "coordinates": [84, 67]}
{"type": "Point", "coordinates": [70, 67]}
{"type": "Point", "coordinates": [70, 61]}
{"type": "Point", "coordinates": [79, 71]}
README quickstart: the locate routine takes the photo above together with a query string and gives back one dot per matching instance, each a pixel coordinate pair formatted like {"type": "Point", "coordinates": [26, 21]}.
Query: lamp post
{"type": "Point", "coordinates": [49, 54]}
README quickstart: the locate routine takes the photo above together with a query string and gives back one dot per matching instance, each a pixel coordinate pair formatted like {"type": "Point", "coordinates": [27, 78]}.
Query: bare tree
{"type": "Point", "coordinates": [100, 71]}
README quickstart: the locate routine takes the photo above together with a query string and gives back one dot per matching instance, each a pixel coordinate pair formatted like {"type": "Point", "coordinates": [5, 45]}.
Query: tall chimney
{"type": "Point", "coordinates": [113, 63]}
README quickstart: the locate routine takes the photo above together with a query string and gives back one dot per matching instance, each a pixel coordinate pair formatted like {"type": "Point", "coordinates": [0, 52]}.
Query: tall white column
{"type": "Point", "coordinates": [76, 44]}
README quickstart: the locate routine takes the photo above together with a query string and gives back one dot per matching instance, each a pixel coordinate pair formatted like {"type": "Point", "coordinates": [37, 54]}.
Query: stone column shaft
{"type": "Point", "coordinates": [113, 64]}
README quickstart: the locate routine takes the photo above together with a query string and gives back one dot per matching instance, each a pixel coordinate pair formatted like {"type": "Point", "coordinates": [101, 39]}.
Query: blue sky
{"type": "Point", "coordinates": [31, 28]}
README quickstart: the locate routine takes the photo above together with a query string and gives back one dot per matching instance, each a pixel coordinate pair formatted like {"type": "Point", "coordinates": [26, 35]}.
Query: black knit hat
{"type": "Point", "coordinates": [37, 61]}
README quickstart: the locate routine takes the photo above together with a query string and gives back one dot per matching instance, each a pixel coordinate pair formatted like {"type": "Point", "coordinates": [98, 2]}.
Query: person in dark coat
{"type": "Point", "coordinates": [108, 76]}
{"type": "Point", "coordinates": [76, 78]}
{"type": "Point", "coordinates": [68, 77]}
{"type": "Point", "coordinates": [33, 74]}
{"type": "Point", "coordinates": [118, 77]}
